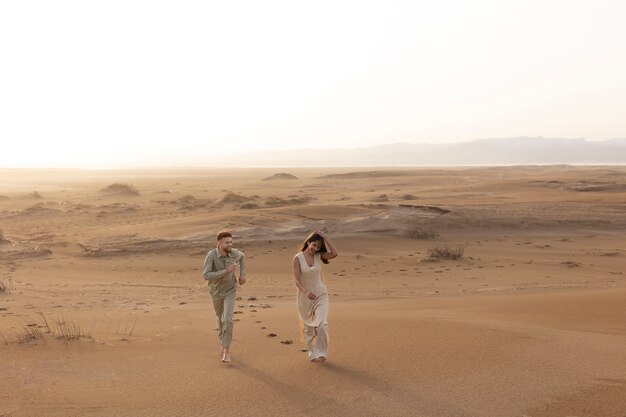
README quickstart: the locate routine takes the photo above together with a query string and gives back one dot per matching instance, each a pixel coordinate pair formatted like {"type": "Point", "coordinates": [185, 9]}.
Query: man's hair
{"type": "Point", "coordinates": [223, 234]}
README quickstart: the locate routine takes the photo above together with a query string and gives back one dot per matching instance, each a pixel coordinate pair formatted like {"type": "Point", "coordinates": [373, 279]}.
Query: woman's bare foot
{"type": "Point", "coordinates": [225, 356]}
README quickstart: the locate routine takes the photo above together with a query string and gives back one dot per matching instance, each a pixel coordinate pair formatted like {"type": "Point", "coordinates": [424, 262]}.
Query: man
{"type": "Point", "coordinates": [220, 265]}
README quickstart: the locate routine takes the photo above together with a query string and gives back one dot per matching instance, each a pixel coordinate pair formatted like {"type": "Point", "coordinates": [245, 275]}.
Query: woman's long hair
{"type": "Point", "coordinates": [314, 237]}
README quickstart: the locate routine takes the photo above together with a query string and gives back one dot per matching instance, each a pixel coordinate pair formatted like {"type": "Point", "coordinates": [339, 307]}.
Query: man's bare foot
{"type": "Point", "coordinates": [225, 356]}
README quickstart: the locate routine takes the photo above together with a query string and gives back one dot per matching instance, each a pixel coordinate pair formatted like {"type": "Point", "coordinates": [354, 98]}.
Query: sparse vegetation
{"type": "Point", "coordinates": [67, 330]}
{"type": "Point", "coordinates": [249, 206]}
{"type": "Point", "coordinates": [119, 188]}
{"type": "Point", "coordinates": [6, 288]}
{"type": "Point", "coordinates": [446, 252]}
{"type": "Point", "coordinates": [189, 202]}
{"type": "Point", "coordinates": [39, 330]}
{"type": "Point", "coordinates": [281, 176]}
{"type": "Point", "coordinates": [232, 198]}
{"type": "Point", "coordinates": [127, 332]}
{"type": "Point", "coordinates": [416, 232]}
{"type": "Point", "coordinates": [273, 201]}
{"type": "Point", "coordinates": [30, 332]}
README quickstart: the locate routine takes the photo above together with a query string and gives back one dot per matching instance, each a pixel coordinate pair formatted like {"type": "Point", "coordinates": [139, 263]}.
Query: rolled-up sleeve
{"type": "Point", "coordinates": [242, 265]}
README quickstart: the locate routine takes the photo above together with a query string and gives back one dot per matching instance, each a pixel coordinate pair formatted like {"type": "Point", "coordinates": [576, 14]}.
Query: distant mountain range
{"type": "Point", "coordinates": [509, 151]}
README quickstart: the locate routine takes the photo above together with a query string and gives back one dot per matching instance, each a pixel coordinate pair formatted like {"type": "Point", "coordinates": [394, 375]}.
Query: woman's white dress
{"type": "Point", "coordinates": [314, 313]}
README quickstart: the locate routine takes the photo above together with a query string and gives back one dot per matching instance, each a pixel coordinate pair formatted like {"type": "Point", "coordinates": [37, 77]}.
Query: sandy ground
{"type": "Point", "coordinates": [103, 310]}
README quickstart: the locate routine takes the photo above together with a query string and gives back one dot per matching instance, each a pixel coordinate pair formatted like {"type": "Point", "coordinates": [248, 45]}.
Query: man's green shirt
{"type": "Point", "coordinates": [220, 281]}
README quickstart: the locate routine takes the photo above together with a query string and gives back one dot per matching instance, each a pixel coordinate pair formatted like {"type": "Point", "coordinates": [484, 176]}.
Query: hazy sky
{"type": "Point", "coordinates": [117, 83]}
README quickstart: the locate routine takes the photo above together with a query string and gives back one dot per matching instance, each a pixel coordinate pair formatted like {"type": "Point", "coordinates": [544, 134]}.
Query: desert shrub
{"type": "Point", "coordinates": [6, 288]}
{"type": "Point", "coordinates": [232, 198]}
{"type": "Point", "coordinates": [120, 188]}
{"type": "Point", "coordinates": [249, 206]}
{"type": "Point", "coordinates": [67, 331]}
{"type": "Point", "coordinates": [30, 332]}
{"type": "Point", "coordinates": [446, 252]}
{"type": "Point", "coordinates": [416, 232]}
{"type": "Point", "coordinates": [273, 201]}
{"type": "Point", "coordinates": [189, 202]}
{"type": "Point", "coordinates": [40, 330]}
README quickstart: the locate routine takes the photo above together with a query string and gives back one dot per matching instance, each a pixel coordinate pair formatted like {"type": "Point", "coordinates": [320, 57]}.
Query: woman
{"type": "Point", "coordinates": [318, 248]}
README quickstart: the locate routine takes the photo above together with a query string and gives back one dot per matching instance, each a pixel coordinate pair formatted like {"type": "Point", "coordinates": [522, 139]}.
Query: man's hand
{"type": "Point", "coordinates": [242, 280]}
{"type": "Point", "coordinates": [231, 268]}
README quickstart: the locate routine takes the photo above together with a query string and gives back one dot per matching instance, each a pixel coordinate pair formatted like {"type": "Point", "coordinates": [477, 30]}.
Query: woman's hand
{"type": "Point", "coordinates": [309, 295]}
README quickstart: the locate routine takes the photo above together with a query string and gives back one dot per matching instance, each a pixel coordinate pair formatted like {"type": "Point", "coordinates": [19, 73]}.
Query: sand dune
{"type": "Point", "coordinates": [103, 311]}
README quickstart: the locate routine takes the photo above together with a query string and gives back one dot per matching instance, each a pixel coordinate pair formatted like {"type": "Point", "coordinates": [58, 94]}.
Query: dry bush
{"type": "Point", "coordinates": [68, 331]}
{"type": "Point", "coordinates": [38, 330]}
{"type": "Point", "coordinates": [120, 188]}
{"type": "Point", "coordinates": [6, 288]}
{"type": "Point", "coordinates": [446, 252]}
{"type": "Point", "coordinates": [232, 198]}
{"type": "Point", "coordinates": [416, 232]}
{"type": "Point", "coordinates": [189, 202]}
{"type": "Point", "coordinates": [249, 206]}
{"type": "Point", "coordinates": [273, 201]}
{"type": "Point", "coordinates": [127, 331]}
{"type": "Point", "coordinates": [30, 332]}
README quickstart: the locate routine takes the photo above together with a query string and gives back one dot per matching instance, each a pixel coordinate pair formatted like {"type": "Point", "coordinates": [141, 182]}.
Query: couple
{"type": "Point", "coordinates": [221, 263]}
